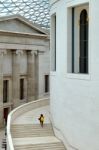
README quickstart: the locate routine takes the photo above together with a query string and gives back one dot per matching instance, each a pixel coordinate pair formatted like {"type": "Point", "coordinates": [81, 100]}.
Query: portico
{"type": "Point", "coordinates": [21, 46]}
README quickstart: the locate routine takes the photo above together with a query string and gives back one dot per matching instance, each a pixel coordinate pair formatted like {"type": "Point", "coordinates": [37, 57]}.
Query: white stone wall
{"type": "Point", "coordinates": [23, 63]}
{"type": "Point", "coordinates": [44, 69]}
{"type": "Point", "coordinates": [7, 63]}
{"type": "Point", "coordinates": [75, 97]}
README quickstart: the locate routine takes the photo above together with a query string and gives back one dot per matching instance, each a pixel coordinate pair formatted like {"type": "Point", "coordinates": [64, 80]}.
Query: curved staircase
{"type": "Point", "coordinates": [27, 134]}
{"type": "Point", "coordinates": [29, 130]}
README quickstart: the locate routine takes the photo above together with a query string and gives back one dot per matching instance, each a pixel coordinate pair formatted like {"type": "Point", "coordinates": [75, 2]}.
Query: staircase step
{"type": "Point", "coordinates": [30, 126]}
{"type": "Point", "coordinates": [44, 146]}
{"type": "Point", "coordinates": [34, 137]}
{"type": "Point", "coordinates": [28, 130]}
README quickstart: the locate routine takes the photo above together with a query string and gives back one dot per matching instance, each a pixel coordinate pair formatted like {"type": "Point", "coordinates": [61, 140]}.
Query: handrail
{"type": "Point", "coordinates": [9, 138]}
{"type": "Point", "coordinates": [18, 111]}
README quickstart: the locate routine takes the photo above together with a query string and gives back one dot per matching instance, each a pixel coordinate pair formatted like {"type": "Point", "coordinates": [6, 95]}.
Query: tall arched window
{"type": "Point", "coordinates": [83, 59]}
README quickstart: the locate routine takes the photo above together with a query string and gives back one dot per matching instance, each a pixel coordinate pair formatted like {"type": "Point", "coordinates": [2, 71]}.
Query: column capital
{"type": "Point", "coordinates": [19, 52]}
{"type": "Point", "coordinates": [3, 52]}
{"type": "Point", "coordinates": [34, 52]}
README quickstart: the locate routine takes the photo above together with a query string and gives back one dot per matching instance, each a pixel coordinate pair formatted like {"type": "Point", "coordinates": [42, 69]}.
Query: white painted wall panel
{"type": "Point", "coordinates": [75, 98]}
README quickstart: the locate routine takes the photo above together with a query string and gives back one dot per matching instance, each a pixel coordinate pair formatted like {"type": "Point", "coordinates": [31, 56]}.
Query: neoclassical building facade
{"type": "Point", "coordinates": [24, 63]}
{"type": "Point", "coordinates": [74, 76]}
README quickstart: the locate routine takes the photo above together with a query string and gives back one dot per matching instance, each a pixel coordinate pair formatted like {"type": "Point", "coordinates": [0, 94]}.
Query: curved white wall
{"type": "Point", "coordinates": [75, 97]}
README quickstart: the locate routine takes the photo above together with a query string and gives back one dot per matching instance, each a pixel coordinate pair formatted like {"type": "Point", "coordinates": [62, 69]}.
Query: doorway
{"type": "Point", "coordinates": [5, 114]}
{"type": "Point", "coordinates": [5, 91]}
{"type": "Point", "coordinates": [46, 83]}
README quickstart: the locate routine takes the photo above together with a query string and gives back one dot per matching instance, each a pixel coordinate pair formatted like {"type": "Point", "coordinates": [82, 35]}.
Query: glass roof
{"type": "Point", "coordinates": [36, 11]}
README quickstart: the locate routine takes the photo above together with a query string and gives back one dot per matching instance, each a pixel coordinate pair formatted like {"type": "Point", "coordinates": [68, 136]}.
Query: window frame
{"type": "Point", "coordinates": [69, 73]}
{"type": "Point", "coordinates": [53, 41]}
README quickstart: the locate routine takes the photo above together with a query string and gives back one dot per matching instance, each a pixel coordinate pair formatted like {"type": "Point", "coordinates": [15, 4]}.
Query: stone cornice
{"type": "Point", "coordinates": [37, 36]}
{"type": "Point", "coordinates": [15, 46]}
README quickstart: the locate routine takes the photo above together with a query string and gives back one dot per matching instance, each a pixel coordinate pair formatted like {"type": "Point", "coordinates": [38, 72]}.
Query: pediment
{"type": "Point", "coordinates": [17, 23]}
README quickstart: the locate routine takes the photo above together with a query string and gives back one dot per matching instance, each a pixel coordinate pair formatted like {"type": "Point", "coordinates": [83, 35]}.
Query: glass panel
{"type": "Point", "coordinates": [34, 10]}
{"type": "Point", "coordinates": [83, 60]}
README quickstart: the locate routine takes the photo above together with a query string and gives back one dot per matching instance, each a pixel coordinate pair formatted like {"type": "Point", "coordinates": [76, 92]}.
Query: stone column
{"type": "Point", "coordinates": [16, 77]}
{"type": "Point", "coordinates": [31, 75]}
{"type": "Point", "coordinates": [10, 90]}
{"type": "Point", "coordinates": [2, 52]}
{"type": "Point", "coordinates": [37, 74]}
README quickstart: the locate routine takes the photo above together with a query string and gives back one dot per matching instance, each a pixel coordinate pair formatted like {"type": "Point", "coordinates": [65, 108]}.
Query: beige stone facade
{"type": "Point", "coordinates": [24, 62]}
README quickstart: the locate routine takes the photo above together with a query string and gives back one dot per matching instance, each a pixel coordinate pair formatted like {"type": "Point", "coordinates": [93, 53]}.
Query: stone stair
{"type": "Point", "coordinates": [31, 130]}
{"type": "Point", "coordinates": [45, 146]}
{"type": "Point", "coordinates": [31, 136]}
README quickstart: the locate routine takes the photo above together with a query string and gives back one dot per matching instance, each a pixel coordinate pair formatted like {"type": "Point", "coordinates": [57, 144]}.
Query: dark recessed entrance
{"type": "Point", "coordinates": [5, 114]}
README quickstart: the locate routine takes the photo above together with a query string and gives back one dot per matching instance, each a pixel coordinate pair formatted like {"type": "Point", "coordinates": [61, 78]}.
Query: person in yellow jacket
{"type": "Point", "coordinates": [41, 119]}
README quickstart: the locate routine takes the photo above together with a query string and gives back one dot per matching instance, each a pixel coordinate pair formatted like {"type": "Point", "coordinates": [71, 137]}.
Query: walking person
{"type": "Point", "coordinates": [41, 119]}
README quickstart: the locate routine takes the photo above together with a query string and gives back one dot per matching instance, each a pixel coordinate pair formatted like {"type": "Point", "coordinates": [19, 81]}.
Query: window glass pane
{"type": "Point", "coordinates": [46, 83]}
{"type": "Point", "coordinates": [21, 89]}
{"type": "Point", "coordinates": [83, 60]}
{"type": "Point", "coordinates": [5, 91]}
